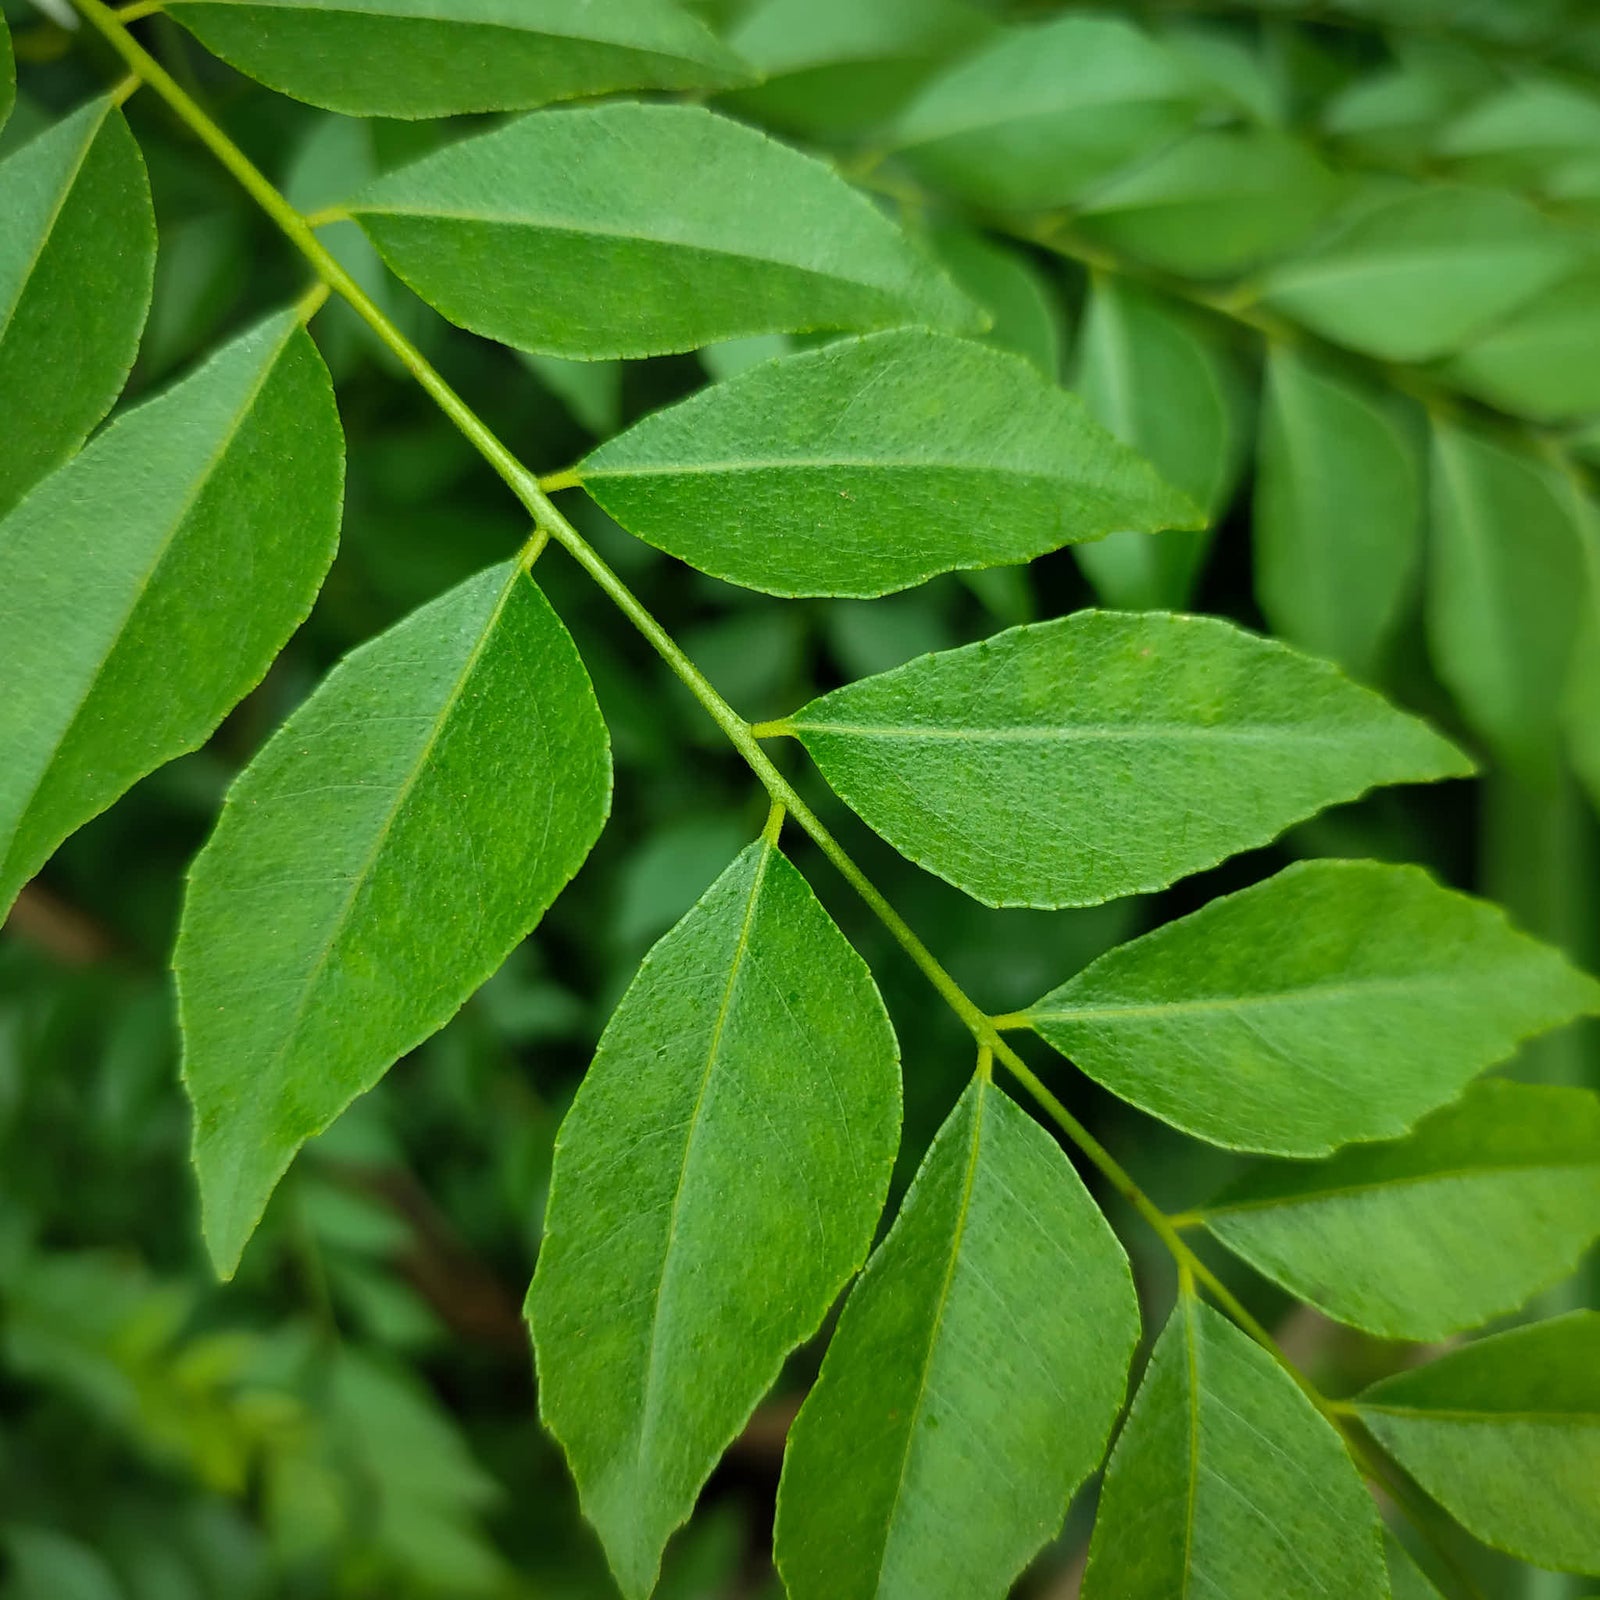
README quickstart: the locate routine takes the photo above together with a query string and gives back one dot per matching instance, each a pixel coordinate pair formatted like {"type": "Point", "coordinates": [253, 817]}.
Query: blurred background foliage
{"type": "Point", "coordinates": [354, 1415]}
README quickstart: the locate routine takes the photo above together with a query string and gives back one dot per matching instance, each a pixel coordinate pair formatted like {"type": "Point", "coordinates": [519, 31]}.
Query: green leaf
{"type": "Point", "coordinates": [1542, 361]}
{"type": "Point", "coordinates": [1505, 1434]}
{"type": "Point", "coordinates": [8, 73]}
{"type": "Point", "coordinates": [372, 866]}
{"type": "Point", "coordinates": [1225, 1481]}
{"type": "Point", "coordinates": [146, 586]}
{"type": "Point", "coordinates": [1417, 275]}
{"type": "Point", "coordinates": [1104, 754]}
{"type": "Point", "coordinates": [1339, 1000]}
{"type": "Point", "coordinates": [630, 230]}
{"type": "Point", "coordinates": [435, 58]}
{"type": "Point", "coordinates": [1520, 133]}
{"type": "Point", "coordinates": [1338, 510]}
{"type": "Point", "coordinates": [1406, 1578]}
{"type": "Point", "coordinates": [1213, 204]}
{"type": "Point", "coordinates": [1035, 117]}
{"type": "Point", "coordinates": [1488, 1202]}
{"type": "Point", "coordinates": [972, 1381]}
{"type": "Point", "coordinates": [77, 257]}
{"type": "Point", "coordinates": [872, 464]}
{"type": "Point", "coordinates": [1506, 592]}
{"type": "Point", "coordinates": [1162, 382]}
{"type": "Point", "coordinates": [716, 1183]}
{"type": "Point", "coordinates": [590, 390]}
{"type": "Point", "coordinates": [1026, 316]}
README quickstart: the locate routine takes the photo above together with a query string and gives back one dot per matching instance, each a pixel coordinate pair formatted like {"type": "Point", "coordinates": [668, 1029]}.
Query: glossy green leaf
{"type": "Point", "coordinates": [1160, 380]}
{"type": "Point", "coordinates": [374, 864]}
{"type": "Point", "coordinates": [1225, 1481]}
{"type": "Point", "coordinates": [435, 58]}
{"type": "Point", "coordinates": [1338, 511]}
{"type": "Point", "coordinates": [1339, 1000]}
{"type": "Point", "coordinates": [973, 1378]}
{"type": "Point", "coordinates": [77, 256]}
{"type": "Point", "coordinates": [629, 230]}
{"type": "Point", "coordinates": [1027, 316]}
{"type": "Point", "coordinates": [1489, 1201]}
{"type": "Point", "coordinates": [1416, 276]}
{"type": "Point", "coordinates": [1214, 203]}
{"type": "Point", "coordinates": [146, 586]}
{"type": "Point", "coordinates": [1103, 754]}
{"type": "Point", "coordinates": [1505, 1434]}
{"type": "Point", "coordinates": [872, 464]}
{"type": "Point", "coordinates": [1542, 361]}
{"type": "Point", "coordinates": [716, 1183]}
{"type": "Point", "coordinates": [1033, 118]}
{"type": "Point", "coordinates": [1506, 592]}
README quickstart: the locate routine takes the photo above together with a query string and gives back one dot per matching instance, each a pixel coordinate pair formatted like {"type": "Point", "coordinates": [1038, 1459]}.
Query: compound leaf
{"type": "Point", "coordinates": [1417, 275]}
{"type": "Point", "coordinates": [1338, 510]}
{"type": "Point", "coordinates": [629, 230]}
{"type": "Point", "coordinates": [1226, 1481]}
{"type": "Point", "coordinates": [77, 258]}
{"type": "Point", "coordinates": [1505, 1434]}
{"type": "Point", "coordinates": [374, 864]}
{"type": "Point", "coordinates": [435, 58]}
{"type": "Point", "coordinates": [872, 464]}
{"type": "Point", "coordinates": [1032, 118]}
{"type": "Point", "coordinates": [1157, 378]}
{"type": "Point", "coordinates": [716, 1182]}
{"type": "Point", "coordinates": [1506, 596]}
{"type": "Point", "coordinates": [1339, 1000]}
{"type": "Point", "coordinates": [972, 1381]}
{"type": "Point", "coordinates": [1489, 1201]}
{"type": "Point", "coordinates": [1104, 754]}
{"type": "Point", "coordinates": [146, 586]}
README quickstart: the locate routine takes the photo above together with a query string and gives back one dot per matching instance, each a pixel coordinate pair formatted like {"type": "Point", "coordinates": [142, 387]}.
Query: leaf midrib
{"type": "Point", "coordinates": [1085, 732]}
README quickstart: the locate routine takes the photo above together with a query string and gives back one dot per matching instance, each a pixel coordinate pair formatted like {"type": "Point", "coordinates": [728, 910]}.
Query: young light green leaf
{"type": "Point", "coordinates": [749, 1079]}
{"type": "Point", "coordinates": [435, 58]}
{"type": "Point", "coordinates": [1213, 204]}
{"type": "Point", "coordinates": [973, 1378]}
{"type": "Point", "coordinates": [1339, 1000]}
{"type": "Point", "coordinates": [1505, 1434]}
{"type": "Point", "coordinates": [1104, 754]}
{"type": "Point", "coordinates": [629, 230]}
{"type": "Point", "coordinates": [838, 471]}
{"type": "Point", "coordinates": [1161, 381]}
{"type": "Point", "coordinates": [1338, 510]}
{"type": "Point", "coordinates": [1033, 118]}
{"type": "Point", "coordinates": [1542, 361]}
{"type": "Point", "coordinates": [1027, 316]}
{"type": "Point", "coordinates": [1414, 277]}
{"type": "Point", "coordinates": [146, 586]}
{"type": "Point", "coordinates": [373, 865]}
{"type": "Point", "coordinates": [1506, 592]}
{"type": "Point", "coordinates": [77, 257]}
{"type": "Point", "coordinates": [1225, 1481]}
{"type": "Point", "coordinates": [1489, 1201]}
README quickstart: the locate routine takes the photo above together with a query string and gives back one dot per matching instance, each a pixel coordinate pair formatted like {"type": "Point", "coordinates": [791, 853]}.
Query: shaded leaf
{"type": "Point", "coordinates": [1489, 1201]}
{"type": "Point", "coordinates": [1213, 204]}
{"type": "Point", "coordinates": [1415, 276]}
{"type": "Point", "coordinates": [424, 58]}
{"type": "Point", "coordinates": [8, 73]}
{"type": "Point", "coordinates": [1406, 1578]}
{"type": "Point", "coordinates": [590, 390]}
{"type": "Point", "coordinates": [749, 1078]}
{"type": "Point", "coordinates": [1338, 510]}
{"type": "Point", "coordinates": [629, 230]}
{"type": "Point", "coordinates": [1103, 754]}
{"type": "Point", "coordinates": [1521, 132]}
{"type": "Point", "coordinates": [77, 258]}
{"type": "Point", "coordinates": [1339, 1000]}
{"type": "Point", "coordinates": [1226, 1481]}
{"type": "Point", "coordinates": [1506, 591]}
{"type": "Point", "coordinates": [973, 1378]}
{"type": "Point", "coordinates": [372, 866]}
{"type": "Point", "coordinates": [872, 464]}
{"type": "Point", "coordinates": [1035, 116]}
{"type": "Point", "coordinates": [1162, 382]}
{"type": "Point", "coordinates": [1505, 1434]}
{"type": "Point", "coordinates": [1026, 317]}
{"type": "Point", "coordinates": [146, 586]}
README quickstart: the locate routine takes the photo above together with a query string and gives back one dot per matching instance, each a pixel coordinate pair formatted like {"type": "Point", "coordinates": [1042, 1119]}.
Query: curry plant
{"type": "Point", "coordinates": [866, 204]}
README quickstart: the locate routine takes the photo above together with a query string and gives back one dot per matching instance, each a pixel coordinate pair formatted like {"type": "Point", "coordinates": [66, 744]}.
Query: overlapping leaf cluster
{"type": "Point", "coordinates": [723, 1172]}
